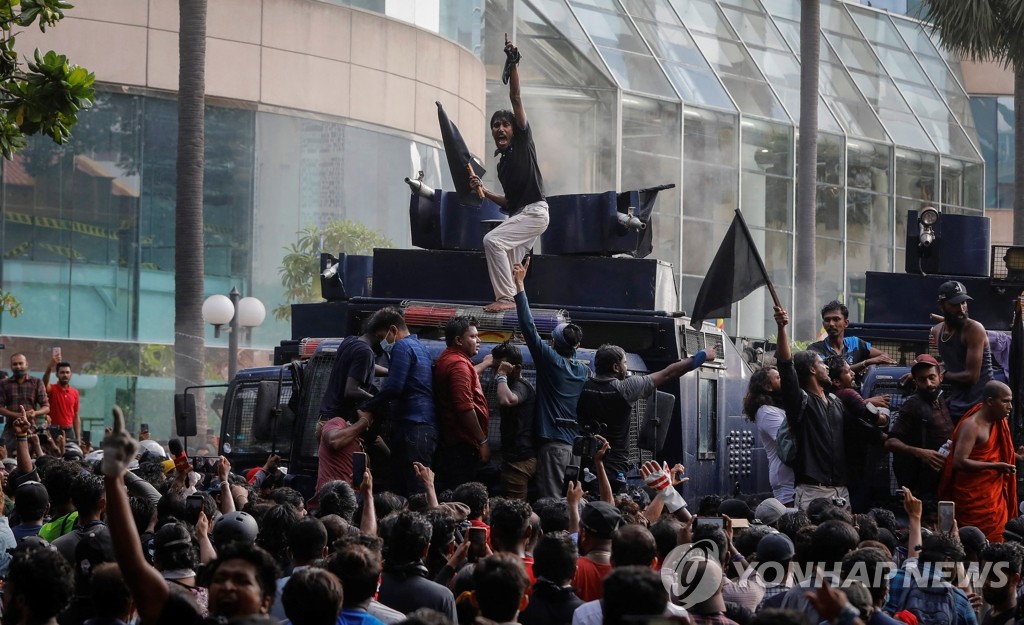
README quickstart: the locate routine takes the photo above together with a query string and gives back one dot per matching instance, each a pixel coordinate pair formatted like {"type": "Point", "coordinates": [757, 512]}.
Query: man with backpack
{"type": "Point", "coordinates": [815, 420]}
{"type": "Point", "coordinates": [923, 588]}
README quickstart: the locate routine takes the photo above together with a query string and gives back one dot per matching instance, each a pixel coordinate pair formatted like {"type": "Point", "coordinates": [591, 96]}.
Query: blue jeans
{"type": "Point", "coordinates": [411, 442]}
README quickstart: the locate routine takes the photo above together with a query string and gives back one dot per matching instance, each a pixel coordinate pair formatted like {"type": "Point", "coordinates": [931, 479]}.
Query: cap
{"type": "Point", "coordinates": [735, 509]}
{"type": "Point", "coordinates": [31, 497]}
{"type": "Point", "coordinates": [972, 538]}
{"type": "Point", "coordinates": [769, 511]}
{"type": "Point", "coordinates": [10, 464]}
{"type": "Point", "coordinates": [953, 292]}
{"type": "Point", "coordinates": [601, 518]}
{"type": "Point", "coordinates": [926, 360]}
{"type": "Point", "coordinates": [458, 509]}
{"type": "Point", "coordinates": [775, 548]}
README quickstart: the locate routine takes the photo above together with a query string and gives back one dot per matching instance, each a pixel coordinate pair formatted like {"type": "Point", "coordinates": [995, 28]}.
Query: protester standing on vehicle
{"type": "Point", "coordinates": [963, 347]}
{"type": "Point", "coordinates": [560, 379]}
{"type": "Point", "coordinates": [523, 187]}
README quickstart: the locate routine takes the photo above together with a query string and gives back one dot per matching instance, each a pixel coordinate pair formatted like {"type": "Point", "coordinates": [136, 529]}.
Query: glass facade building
{"type": "Point", "coordinates": [622, 94]}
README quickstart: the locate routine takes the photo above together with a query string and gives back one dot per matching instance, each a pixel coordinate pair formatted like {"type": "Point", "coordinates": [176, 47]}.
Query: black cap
{"type": "Point", "coordinates": [953, 292]}
{"type": "Point", "coordinates": [601, 518]}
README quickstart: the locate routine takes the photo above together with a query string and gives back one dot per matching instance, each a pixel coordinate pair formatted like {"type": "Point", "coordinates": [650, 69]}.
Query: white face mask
{"type": "Point", "coordinates": [385, 344]}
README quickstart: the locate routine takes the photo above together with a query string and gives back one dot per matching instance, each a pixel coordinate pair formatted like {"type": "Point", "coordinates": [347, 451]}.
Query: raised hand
{"type": "Point", "coordinates": [119, 448]}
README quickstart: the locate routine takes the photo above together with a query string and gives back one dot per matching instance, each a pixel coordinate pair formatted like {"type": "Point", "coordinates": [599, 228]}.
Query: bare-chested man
{"type": "Point", "coordinates": [963, 346]}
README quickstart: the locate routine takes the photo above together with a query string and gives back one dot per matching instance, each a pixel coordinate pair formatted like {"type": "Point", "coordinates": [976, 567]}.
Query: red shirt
{"type": "Point", "coordinates": [458, 390]}
{"type": "Point", "coordinates": [335, 464]}
{"type": "Point", "coordinates": [589, 579]}
{"type": "Point", "coordinates": [63, 405]}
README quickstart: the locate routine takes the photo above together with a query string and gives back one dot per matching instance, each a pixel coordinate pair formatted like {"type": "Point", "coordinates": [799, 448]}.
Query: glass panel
{"type": "Point", "coordinates": [831, 276]}
{"type": "Point", "coordinates": [868, 167]}
{"type": "Point", "coordinates": [733, 63]}
{"type": "Point", "coordinates": [686, 67]}
{"type": "Point", "coordinates": [924, 100]}
{"type": "Point", "coordinates": [871, 77]}
{"type": "Point", "coordinates": [624, 50]}
{"type": "Point", "coordinates": [916, 175]}
{"type": "Point", "coordinates": [869, 218]}
{"type": "Point", "coordinates": [651, 135]}
{"type": "Point", "coordinates": [829, 213]}
{"type": "Point", "coordinates": [551, 23]}
{"type": "Point", "coordinates": [831, 159]}
{"type": "Point", "coordinates": [710, 174]}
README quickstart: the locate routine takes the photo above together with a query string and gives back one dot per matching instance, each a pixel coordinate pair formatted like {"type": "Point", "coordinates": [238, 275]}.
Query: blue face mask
{"type": "Point", "coordinates": [385, 344]}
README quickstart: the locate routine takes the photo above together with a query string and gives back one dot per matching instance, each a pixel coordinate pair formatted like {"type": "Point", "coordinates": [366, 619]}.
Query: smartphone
{"type": "Point", "coordinates": [55, 352]}
{"type": "Point", "coordinates": [946, 513]}
{"type": "Point", "coordinates": [477, 540]}
{"type": "Point", "coordinates": [193, 506]}
{"type": "Point", "coordinates": [55, 431]}
{"type": "Point", "coordinates": [713, 521]}
{"type": "Point", "coordinates": [204, 464]}
{"type": "Point", "coordinates": [572, 474]}
{"type": "Point", "coordinates": [87, 437]}
{"type": "Point", "coordinates": [144, 427]}
{"type": "Point", "coordinates": [358, 468]}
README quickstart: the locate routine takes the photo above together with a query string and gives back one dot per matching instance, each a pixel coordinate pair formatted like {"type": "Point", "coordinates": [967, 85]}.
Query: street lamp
{"type": "Point", "coordinates": [236, 311]}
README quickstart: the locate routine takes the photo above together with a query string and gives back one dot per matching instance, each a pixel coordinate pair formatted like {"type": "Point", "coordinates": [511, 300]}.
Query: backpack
{"type": "Point", "coordinates": [932, 605]}
{"type": "Point", "coordinates": [785, 442]}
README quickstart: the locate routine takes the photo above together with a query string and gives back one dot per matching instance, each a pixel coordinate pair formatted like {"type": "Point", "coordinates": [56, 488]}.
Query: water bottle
{"type": "Point", "coordinates": [944, 450]}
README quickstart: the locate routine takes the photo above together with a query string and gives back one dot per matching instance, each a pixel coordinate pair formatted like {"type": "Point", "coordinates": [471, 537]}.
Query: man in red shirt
{"type": "Point", "coordinates": [63, 399]}
{"type": "Point", "coordinates": [598, 523]}
{"type": "Point", "coordinates": [461, 406]}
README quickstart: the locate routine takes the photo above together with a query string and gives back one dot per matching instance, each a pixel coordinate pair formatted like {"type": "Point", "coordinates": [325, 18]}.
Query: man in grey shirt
{"type": "Point", "coordinates": [608, 399]}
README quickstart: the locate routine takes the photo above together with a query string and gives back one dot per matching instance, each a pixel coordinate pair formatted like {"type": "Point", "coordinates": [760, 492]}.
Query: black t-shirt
{"type": "Point", "coordinates": [517, 439]}
{"type": "Point", "coordinates": [354, 360]}
{"type": "Point", "coordinates": [518, 172]}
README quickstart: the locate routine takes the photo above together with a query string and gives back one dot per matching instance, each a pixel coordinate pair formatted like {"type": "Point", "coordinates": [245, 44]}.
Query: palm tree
{"type": "Point", "coordinates": [189, 346]}
{"type": "Point", "coordinates": [988, 30]}
{"type": "Point", "coordinates": [807, 158]}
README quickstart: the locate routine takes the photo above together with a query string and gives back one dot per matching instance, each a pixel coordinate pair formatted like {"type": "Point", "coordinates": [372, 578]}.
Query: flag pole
{"type": "Point", "coordinates": [760, 263]}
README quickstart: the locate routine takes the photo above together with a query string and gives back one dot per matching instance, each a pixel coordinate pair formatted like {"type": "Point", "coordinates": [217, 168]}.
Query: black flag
{"type": "Point", "coordinates": [734, 273]}
{"type": "Point", "coordinates": [458, 157]}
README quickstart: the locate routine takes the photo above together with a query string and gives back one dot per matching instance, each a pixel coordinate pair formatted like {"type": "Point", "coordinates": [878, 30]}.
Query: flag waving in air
{"type": "Point", "coordinates": [734, 273]}
{"type": "Point", "coordinates": [458, 157]}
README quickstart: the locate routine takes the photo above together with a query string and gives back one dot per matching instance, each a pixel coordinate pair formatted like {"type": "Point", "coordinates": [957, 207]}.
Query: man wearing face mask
{"type": "Point", "coordinates": [21, 390]}
{"type": "Point", "coordinates": [920, 428]}
{"type": "Point", "coordinates": [609, 395]}
{"type": "Point", "coordinates": [409, 391]}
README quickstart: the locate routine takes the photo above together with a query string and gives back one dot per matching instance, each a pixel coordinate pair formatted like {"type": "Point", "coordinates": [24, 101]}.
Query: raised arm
{"type": "Point", "coordinates": [514, 95]}
{"type": "Point", "coordinates": [526, 323]}
{"type": "Point", "coordinates": [148, 588]}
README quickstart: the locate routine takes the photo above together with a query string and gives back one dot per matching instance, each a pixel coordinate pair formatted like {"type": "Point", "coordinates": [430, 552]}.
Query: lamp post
{"type": "Point", "coordinates": [236, 311]}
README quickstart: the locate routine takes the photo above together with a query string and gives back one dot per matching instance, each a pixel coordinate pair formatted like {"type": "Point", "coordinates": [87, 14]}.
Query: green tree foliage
{"type": "Point", "coordinates": [9, 304]}
{"type": "Point", "coordinates": [988, 30]}
{"type": "Point", "coordinates": [44, 95]}
{"type": "Point", "coordinates": [301, 265]}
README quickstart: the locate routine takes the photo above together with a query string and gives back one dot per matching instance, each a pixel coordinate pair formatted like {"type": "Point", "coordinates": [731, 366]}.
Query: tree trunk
{"type": "Point", "coordinates": [189, 344]}
{"type": "Point", "coordinates": [1018, 156]}
{"type": "Point", "coordinates": [807, 167]}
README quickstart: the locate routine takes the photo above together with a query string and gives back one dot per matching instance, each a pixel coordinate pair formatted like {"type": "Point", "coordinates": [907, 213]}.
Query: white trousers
{"type": "Point", "coordinates": [508, 243]}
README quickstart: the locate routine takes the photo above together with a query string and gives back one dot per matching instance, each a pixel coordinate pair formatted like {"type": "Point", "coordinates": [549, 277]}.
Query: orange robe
{"type": "Point", "coordinates": [984, 499]}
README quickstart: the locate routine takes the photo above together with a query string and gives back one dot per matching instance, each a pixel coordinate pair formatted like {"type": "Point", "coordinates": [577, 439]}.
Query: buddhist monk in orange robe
{"type": "Point", "coordinates": [980, 472]}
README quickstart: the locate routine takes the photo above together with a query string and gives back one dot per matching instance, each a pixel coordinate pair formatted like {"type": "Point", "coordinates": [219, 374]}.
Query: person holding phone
{"type": "Point", "coordinates": [64, 400]}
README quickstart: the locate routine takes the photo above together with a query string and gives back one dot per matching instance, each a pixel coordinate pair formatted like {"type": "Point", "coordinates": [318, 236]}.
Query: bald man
{"type": "Point", "coordinates": [980, 472]}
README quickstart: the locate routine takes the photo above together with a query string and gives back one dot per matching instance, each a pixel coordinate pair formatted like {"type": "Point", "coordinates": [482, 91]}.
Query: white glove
{"type": "Point", "coordinates": [661, 481]}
